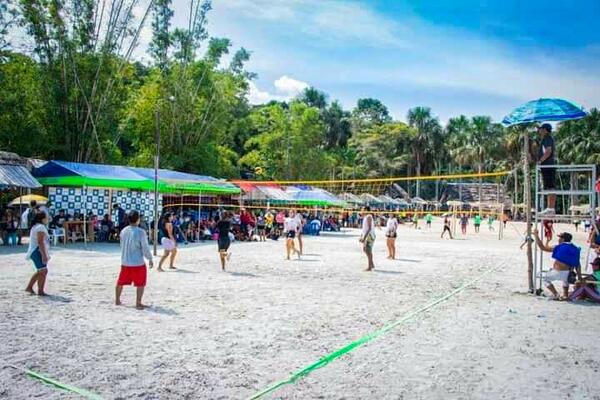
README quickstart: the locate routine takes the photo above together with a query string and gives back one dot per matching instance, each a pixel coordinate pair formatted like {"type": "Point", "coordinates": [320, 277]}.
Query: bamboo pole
{"type": "Point", "coordinates": [527, 189]}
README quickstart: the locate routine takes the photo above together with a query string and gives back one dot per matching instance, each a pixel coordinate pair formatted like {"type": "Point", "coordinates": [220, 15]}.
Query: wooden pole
{"type": "Point", "coordinates": [156, 165]}
{"type": "Point", "coordinates": [527, 200]}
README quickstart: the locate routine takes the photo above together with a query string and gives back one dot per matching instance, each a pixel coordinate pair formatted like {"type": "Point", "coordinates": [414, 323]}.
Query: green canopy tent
{"type": "Point", "coordinates": [63, 173]}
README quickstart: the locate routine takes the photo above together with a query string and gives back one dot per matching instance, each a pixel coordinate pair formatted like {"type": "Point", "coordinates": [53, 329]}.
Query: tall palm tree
{"type": "Point", "coordinates": [480, 140]}
{"type": "Point", "coordinates": [578, 142]}
{"type": "Point", "coordinates": [427, 133]}
{"type": "Point", "coordinates": [457, 134]}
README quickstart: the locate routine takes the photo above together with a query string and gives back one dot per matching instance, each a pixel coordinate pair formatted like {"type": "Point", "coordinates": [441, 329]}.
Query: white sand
{"type": "Point", "coordinates": [221, 335]}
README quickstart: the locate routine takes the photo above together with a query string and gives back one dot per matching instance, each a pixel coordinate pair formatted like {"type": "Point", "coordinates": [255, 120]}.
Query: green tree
{"type": "Point", "coordinates": [289, 143]}
{"type": "Point", "coordinates": [368, 112]}
{"type": "Point", "coordinates": [578, 142]}
{"type": "Point", "coordinates": [162, 38]}
{"type": "Point", "coordinates": [426, 140]}
{"type": "Point", "coordinates": [384, 149]}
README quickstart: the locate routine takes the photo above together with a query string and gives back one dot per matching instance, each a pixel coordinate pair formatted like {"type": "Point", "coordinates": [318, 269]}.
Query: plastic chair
{"type": "Point", "coordinates": [56, 234]}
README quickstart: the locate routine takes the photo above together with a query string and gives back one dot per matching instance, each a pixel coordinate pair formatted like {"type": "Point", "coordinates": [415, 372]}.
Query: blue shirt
{"type": "Point", "coordinates": [567, 253]}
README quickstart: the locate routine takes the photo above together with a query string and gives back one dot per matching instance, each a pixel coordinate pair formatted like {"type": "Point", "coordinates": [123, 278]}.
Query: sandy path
{"type": "Point", "coordinates": [225, 335]}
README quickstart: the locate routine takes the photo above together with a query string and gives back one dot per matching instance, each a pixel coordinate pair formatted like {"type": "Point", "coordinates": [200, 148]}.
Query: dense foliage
{"type": "Point", "coordinates": [74, 92]}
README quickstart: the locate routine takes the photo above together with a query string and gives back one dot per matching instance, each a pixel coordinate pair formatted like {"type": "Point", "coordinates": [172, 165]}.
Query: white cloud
{"type": "Point", "coordinates": [351, 50]}
{"type": "Point", "coordinates": [289, 86]}
{"type": "Point", "coordinates": [285, 89]}
{"type": "Point", "coordinates": [324, 20]}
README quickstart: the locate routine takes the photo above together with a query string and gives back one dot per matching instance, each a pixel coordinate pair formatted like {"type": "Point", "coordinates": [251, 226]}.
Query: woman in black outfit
{"type": "Point", "coordinates": [224, 226]}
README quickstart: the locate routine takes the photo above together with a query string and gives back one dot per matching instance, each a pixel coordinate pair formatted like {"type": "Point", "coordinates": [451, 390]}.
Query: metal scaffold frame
{"type": "Point", "coordinates": [590, 192]}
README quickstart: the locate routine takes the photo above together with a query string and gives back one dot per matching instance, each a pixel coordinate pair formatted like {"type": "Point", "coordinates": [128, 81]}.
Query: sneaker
{"type": "Point", "coordinates": [548, 212]}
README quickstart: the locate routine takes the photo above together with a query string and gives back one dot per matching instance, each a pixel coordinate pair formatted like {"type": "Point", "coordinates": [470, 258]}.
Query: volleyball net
{"type": "Point", "coordinates": [435, 194]}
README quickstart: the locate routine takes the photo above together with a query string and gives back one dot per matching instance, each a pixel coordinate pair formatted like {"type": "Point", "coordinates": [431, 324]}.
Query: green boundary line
{"type": "Point", "coordinates": [302, 372]}
{"type": "Point", "coordinates": [60, 385]}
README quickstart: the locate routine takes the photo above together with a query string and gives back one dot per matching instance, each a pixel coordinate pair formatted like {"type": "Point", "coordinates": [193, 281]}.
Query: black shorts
{"type": "Point", "coordinates": [224, 243]}
{"type": "Point", "coordinates": [549, 178]}
{"type": "Point", "coordinates": [391, 235]}
{"type": "Point", "coordinates": [291, 234]}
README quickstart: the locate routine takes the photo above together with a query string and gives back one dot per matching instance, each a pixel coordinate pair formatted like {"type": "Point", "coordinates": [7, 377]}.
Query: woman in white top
{"type": "Point", "coordinates": [39, 242]}
{"type": "Point", "coordinates": [290, 228]}
{"type": "Point", "coordinates": [391, 234]}
{"type": "Point", "coordinates": [168, 241]}
{"type": "Point", "coordinates": [299, 226]}
{"type": "Point", "coordinates": [367, 237]}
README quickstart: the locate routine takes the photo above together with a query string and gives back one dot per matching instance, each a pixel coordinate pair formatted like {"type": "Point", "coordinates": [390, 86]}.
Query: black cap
{"type": "Point", "coordinates": [547, 127]}
{"type": "Point", "coordinates": [566, 236]}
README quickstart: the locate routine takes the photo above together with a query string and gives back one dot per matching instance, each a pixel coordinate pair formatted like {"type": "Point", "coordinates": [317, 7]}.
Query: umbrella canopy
{"type": "Point", "coordinates": [545, 109]}
{"type": "Point", "coordinates": [418, 200]}
{"type": "Point", "coordinates": [63, 173]}
{"type": "Point", "coordinates": [313, 197]}
{"type": "Point", "coordinates": [370, 199]}
{"type": "Point", "coordinates": [386, 199]}
{"type": "Point", "coordinates": [25, 200]}
{"type": "Point", "coordinates": [454, 203]}
{"type": "Point", "coordinates": [263, 192]}
{"type": "Point", "coordinates": [350, 198]}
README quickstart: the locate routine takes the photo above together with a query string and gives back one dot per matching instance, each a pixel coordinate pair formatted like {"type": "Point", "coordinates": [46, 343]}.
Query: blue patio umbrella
{"type": "Point", "coordinates": [541, 110]}
{"type": "Point", "coordinates": [544, 110]}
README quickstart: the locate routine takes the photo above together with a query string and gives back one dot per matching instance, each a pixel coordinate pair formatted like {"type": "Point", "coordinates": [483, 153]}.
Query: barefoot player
{"type": "Point", "coordinates": [367, 237]}
{"type": "Point", "coordinates": [168, 241]}
{"type": "Point", "coordinates": [134, 248]}
{"type": "Point", "coordinates": [39, 243]}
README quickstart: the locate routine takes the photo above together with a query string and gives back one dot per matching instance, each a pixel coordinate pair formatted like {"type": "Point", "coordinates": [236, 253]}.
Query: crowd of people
{"type": "Point", "coordinates": [225, 227]}
{"type": "Point", "coordinates": [134, 233]}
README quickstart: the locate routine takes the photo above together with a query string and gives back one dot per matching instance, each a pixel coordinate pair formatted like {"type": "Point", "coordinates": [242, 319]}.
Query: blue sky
{"type": "Point", "coordinates": [470, 57]}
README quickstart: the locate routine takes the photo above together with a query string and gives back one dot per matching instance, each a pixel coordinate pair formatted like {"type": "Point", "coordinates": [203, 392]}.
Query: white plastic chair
{"type": "Point", "coordinates": [56, 234]}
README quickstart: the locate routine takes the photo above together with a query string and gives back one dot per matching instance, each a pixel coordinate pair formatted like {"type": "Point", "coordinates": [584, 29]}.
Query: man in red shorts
{"type": "Point", "coordinates": [134, 248]}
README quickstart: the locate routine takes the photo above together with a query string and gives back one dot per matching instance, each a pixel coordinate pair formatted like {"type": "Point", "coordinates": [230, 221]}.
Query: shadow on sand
{"type": "Point", "coordinates": [184, 271]}
{"type": "Point", "coordinates": [57, 298]}
{"type": "Point", "coordinates": [384, 271]}
{"type": "Point", "coordinates": [408, 260]}
{"type": "Point", "coordinates": [243, 274]}
{"type": "Point", "coordinates": [161, 310]}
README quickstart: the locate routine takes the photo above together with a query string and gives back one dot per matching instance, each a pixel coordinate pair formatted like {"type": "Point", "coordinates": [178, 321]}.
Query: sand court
{"type": "Point", "coordinates": [222, 335]}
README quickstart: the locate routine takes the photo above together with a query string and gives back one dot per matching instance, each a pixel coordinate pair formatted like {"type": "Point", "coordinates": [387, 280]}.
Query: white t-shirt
{"type": "Point", "coordinates": [365, 226]}
{"type": "Point", "coordinates": [24, 219]}
{"type": "Point", "coordinates": [298, 220]}
{"type": "Point", "coordinates": [33, 239]}
{"type": "Point", "coordinates": [392, 225]}
{"type": "Point", "coordinates": [290, 224]}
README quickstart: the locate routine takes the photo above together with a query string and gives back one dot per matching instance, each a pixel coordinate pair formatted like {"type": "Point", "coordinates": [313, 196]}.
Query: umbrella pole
{"type": "Point", "coordinates": [199, 212]}
{"type": "Point", "coordinates": [84, 218]}
{"type": "Point", "coordinates": [527, 190]}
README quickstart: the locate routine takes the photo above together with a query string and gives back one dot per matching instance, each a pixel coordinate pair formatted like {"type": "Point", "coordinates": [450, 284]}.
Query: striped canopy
{"type": "Point", "coordinates": [545, 109]}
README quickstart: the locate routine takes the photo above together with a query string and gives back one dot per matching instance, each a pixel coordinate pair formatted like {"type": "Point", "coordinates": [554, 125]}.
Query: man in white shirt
{"type": "Point", "coordinates": [134, 248]}
{"type": "Point", "coordinates": [367, 237]}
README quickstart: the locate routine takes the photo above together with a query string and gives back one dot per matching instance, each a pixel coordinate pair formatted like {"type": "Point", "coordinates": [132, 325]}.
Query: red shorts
{"type": "Point", "coordinates": [132, 275]}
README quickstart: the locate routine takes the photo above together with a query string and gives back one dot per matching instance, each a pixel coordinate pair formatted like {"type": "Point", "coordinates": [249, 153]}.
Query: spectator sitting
{"type": "Point", "coordinates": [315, 226]}
{"type": "Point", "coordinates": [566, 263]}
{"type": "Point", "coordinates": [589, 288]}
{"type": "Point", "coordinates": [121, 217]}
{"type": "Point", "coordinates": [107, 229]}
